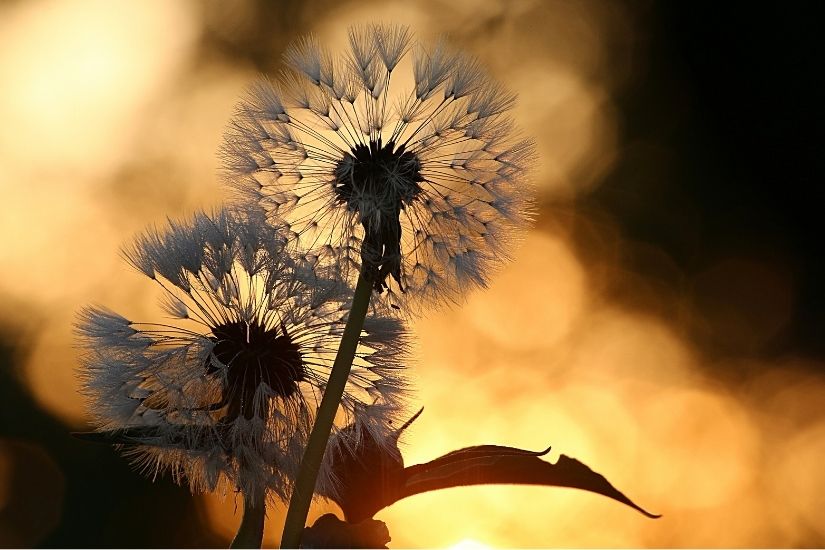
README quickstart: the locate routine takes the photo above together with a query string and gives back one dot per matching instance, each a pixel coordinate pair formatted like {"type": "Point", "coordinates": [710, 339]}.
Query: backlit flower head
{"type": "Point", "coordinates": [226, 390]}
{"type": "Point", "coordinates": [398, 157]}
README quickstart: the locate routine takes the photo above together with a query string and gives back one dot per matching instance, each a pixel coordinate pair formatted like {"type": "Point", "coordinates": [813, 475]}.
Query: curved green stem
{"type": "Point", "coordinates": [317, 445]}
{"type": "Point", "coordinates": [251, 532]}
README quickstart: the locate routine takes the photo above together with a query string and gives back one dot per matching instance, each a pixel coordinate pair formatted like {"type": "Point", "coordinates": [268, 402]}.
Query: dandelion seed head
{"type": "Point", "coordinates": [421, 185]}
{"type": "Point", "coordinates": [223, 393]}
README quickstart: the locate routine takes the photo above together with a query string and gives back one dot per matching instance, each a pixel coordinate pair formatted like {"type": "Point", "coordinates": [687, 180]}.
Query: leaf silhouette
{"type": "Point", "coordinates": [373, 478]}
{"type": "Point", "coordinates": [492, 464]}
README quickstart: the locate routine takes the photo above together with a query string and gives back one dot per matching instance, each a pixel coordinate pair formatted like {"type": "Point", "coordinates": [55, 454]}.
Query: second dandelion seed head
{"type": "Point", "coordinates": [258, 355]}
{"type": "Point", "coordinates": [410, 172]}
{"type": "Point", "coordinates": [224, 393]}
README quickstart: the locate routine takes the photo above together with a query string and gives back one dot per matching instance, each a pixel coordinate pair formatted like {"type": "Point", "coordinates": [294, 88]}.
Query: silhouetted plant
{"type": "Point", "coordinates": [351, 205]}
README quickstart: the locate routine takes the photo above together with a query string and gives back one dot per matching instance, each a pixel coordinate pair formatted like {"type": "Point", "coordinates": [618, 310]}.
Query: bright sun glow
{"type": "Point", "coordinates": [469, 544]}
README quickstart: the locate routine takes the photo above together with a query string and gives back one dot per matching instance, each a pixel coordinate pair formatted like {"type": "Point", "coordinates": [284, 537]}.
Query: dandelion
{"type": "Point", "coordinates": [420, 187]}
{"type": "Point", "coordinates": [225, 393]}
{"type": "Point", "coordinates": [416, 188]}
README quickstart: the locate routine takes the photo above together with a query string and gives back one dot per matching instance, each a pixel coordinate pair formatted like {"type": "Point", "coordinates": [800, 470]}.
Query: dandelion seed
{"type": "Point", "coordinates": [423, 187]}
{"type": "Point", "coordinates": [224, 394]}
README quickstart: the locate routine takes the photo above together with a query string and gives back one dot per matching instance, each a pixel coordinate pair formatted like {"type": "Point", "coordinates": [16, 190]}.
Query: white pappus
{"type": "Point", "coordinates": [224, 393]}
{"type": "Point", "coordinates": [421, 181]}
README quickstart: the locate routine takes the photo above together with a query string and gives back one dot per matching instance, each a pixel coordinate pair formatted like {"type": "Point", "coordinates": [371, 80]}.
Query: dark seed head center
{"type": "Point", "coordinates": [255, 354]}
{"type": "Point", "coordinates": [384, 175]}
{"type": "Point", "coordinates": [377, 181]}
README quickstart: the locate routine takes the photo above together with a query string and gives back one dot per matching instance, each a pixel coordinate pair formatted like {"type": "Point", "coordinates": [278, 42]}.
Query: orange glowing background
{"type": "Point", "coordinates": [111, 114]}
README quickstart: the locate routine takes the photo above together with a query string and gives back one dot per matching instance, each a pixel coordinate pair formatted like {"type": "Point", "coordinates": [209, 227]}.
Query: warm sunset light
{"type": "Point", "coordinates": [668, 366]}
{"type": "Point", "coordinates": [469, 544]}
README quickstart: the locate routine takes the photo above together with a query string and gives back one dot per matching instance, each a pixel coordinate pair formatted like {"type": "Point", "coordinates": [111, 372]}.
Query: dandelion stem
{"type": "Point", "coordinates": [251, 532]}
{"type": "Point", "coordinates": [317, 445]}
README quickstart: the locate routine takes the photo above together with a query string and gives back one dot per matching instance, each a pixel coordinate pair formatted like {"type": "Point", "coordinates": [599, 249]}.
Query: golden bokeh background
{"type": "Point", "coordinates": [110, 116]}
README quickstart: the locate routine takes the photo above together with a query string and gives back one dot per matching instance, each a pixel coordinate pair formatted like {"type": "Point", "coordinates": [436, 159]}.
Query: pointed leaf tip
{"type": "Point", "coordinates": [414, 417]}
